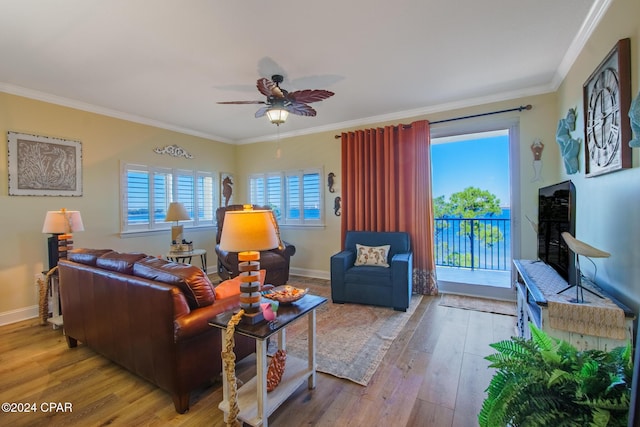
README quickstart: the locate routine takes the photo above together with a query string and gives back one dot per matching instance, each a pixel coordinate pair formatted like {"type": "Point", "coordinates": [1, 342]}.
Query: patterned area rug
{"type": "Point", "coordinates": [479, 304]}
{"type": "Point", "coordinates": [351, 339]}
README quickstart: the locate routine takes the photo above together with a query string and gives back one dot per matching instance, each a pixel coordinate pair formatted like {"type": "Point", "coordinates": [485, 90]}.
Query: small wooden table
{"type": "Point", "coordinates": [253, 401]}
{"type": "Point", "coordinates": [186, 257]}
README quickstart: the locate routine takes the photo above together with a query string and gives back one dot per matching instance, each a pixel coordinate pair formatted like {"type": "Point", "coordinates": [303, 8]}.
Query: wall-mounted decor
{"type": "Point", "coordinates": [44, 166]}
{"type": "Point", "coordinates": [569, 146]}
{"type": "Point", "coordinates": [634, 117]}
{"type": "Point", "coordinates": [331, 181]}
{"type": "Point", "coordinates": [226, 189]}
{"type": "Point", "coordinates": [536, 149]}
{"type": "Point", "coordinates": [173, 150]}
{"type": "Point", "coordinates": [607, 95]}
{"type": "Point", "coordinates": [337, 206]}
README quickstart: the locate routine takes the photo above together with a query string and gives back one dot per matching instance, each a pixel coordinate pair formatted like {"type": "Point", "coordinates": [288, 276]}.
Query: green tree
{"type": "Point", "coordinates": [470, 203]}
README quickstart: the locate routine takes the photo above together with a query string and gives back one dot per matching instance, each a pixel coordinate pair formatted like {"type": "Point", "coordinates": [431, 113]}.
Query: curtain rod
{"type": "Point", "coordinates": [520, 108]}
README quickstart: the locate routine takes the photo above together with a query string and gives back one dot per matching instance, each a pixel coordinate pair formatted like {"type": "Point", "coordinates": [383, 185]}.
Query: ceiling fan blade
{"type": "Point", "coordinates": [261, 112]}
{"type": "Point", "coordinates": [241, 102]}
{"type": "Point", "coordinates": [269, 88]}
{"type": "Point", "coordinates": [300, 109]}
{"type": "Point", "coordinates": [309, 95]}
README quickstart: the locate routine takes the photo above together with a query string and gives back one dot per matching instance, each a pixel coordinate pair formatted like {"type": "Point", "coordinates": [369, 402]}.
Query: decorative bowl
{"type": "Point", "coordinates": [285, 294]}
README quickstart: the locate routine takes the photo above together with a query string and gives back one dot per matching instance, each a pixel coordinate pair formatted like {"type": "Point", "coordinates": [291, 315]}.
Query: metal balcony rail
{"type": "Point", "coordinates": [474, 243]}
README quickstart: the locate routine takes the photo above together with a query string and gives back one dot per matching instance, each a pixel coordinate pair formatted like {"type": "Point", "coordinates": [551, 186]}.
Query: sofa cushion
{"type": "Point", "coordinates": [191, 280]}
{"type": "Point", "coordinates": [372, 255]}
{"type": "Point", "coordinates": [86, 256]}
{"type": "Point", "coordinates": [120, 262]}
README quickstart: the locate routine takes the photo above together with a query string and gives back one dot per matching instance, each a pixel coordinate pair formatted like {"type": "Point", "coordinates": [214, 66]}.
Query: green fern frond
{"type": "Point", "coordinates": [558, 376]}
{"type": "Point", "coordinates": [544, 381]}
{"type": "Point", "coordinates": [541, 339]}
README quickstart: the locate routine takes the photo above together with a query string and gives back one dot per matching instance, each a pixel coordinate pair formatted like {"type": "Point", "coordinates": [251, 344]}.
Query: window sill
{"type": "Point", "coordinates": [301, 226]}
{"type": "Point", "coordinates": [147, 233]}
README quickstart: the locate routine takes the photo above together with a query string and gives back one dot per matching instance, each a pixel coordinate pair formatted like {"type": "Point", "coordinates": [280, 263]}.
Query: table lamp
{"type": "Point", "coordinates": [177, 212]}
{"type": "Point", "coordinates": [581, 248]}
{"type": "Point", "coordinates": [61, 224]}
{"type": "Point", "coordinates": [248, 232]}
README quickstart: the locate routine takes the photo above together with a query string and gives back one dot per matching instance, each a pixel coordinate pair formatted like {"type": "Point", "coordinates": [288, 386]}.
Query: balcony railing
{"type": "Point", "coordinates": [475, 243]}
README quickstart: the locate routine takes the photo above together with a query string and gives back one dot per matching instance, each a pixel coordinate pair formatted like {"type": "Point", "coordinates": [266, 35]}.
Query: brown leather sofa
{"type": "Point", "coordinates": [148, 315]}
{"type": "Point", "coordinates": [275, 261]}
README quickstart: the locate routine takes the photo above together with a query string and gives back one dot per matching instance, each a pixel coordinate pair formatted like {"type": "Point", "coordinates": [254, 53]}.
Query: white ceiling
{"type": "Point", "coordinates": [167, 62]}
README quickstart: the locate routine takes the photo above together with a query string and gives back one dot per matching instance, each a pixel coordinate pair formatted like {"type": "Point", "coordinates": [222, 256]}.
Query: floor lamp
{"type": "Point", "coordinates": [580, 248]}
{"type": "Point", "coordinates": [248, 232]}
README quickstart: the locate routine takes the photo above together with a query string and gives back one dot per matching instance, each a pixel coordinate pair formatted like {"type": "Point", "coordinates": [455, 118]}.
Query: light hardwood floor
{"type": "Point", "coordinates": [433, 375]}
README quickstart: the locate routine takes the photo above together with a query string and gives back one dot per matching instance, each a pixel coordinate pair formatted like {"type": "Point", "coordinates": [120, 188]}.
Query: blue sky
{"type": "Point", "coordinates": [479, 162]}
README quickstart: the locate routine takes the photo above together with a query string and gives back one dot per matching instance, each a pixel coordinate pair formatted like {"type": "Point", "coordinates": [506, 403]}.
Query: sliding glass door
{"type": "Point", "coordinates": [472, 183]}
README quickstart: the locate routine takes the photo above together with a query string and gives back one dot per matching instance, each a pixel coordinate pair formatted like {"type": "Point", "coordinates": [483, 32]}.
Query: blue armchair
{"type": "Point", "coordinates": [374, 285]}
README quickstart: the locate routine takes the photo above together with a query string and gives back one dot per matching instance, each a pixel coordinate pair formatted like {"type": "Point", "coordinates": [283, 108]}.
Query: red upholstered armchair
{"type": "Point", "coordinates": [274, 261]}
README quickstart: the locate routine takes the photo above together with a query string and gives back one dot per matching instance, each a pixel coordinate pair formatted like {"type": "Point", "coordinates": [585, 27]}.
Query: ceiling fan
{"type": "Point", "coordinates": [280, 102]}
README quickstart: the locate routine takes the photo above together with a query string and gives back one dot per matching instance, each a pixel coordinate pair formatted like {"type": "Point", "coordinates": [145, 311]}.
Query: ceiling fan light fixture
{"type": "Point", "coordinates": [277, 115]}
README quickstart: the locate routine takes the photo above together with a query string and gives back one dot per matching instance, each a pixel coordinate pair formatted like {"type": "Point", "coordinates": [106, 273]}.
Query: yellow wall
{"type": "Point", "coordinates": [106, 142]}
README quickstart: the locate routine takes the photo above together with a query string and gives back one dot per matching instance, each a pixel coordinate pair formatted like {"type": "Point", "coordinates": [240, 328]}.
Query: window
{"type": "Point", "coordinates": [147, 192]}
{"type": "Point", "coordinates": [294, 196]}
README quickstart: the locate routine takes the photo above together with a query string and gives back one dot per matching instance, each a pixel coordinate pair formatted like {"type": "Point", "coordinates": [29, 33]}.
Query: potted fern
{"type": "Point", "coordinates": [544, 381]}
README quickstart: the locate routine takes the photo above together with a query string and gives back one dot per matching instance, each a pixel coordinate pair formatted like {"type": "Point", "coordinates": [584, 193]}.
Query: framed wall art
{"type": "Point", "coordinates": [44, 166]}
{"type": "Point", "coordinates": [606, 97]}
{"type": "Point", "coordinates": [226, 189]}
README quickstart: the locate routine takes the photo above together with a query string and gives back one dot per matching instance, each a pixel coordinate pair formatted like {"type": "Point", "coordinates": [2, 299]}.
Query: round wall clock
{"type": "Point", "coordinates": [607, 95]}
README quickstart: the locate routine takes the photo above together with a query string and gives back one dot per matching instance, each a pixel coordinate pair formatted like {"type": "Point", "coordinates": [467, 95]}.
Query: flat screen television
{"type": "Point", "coordinates": [556, 214]}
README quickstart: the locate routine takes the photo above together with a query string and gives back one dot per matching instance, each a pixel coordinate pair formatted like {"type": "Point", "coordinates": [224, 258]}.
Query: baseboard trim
{"type": "Point", "coordinates": [316, 274]}
{"type": "Point", "coordinates": [18, 315]}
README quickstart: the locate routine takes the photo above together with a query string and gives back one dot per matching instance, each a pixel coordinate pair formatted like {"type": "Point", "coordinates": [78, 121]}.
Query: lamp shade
{"type": "Point", "coordinates": [248, 230]}
{"type": "Point", "coordinates": [62, 222]}
{"type": "Point", "coordinates": [177, 212]}
{"type": "Point", "coordinates": [581, 248]}
{"type": "Point", "coordinates": [277, 115]}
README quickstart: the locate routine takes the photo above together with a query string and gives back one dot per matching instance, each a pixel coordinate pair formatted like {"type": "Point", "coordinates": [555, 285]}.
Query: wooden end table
{"type": "Point", "coordinates": [254, 402]}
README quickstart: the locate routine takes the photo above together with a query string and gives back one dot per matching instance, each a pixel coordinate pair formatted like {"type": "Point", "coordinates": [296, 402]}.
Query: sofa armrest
{"type": "Point", "coordinates": [289, 250]}
{"type": "Point", "coordinates": [197, 321]}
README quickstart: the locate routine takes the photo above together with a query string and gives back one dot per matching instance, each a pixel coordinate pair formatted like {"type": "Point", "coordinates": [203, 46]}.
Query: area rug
{"type": "Point", "coordinates": [351, 339]}
{"type": "Point", "coordinates": [479, 304]}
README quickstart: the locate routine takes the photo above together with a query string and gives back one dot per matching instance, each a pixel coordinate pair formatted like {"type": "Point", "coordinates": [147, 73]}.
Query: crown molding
{"type": "Point", "coordinates": [597, 11]}
{"type": "Point", "coordinates": [83, 106]}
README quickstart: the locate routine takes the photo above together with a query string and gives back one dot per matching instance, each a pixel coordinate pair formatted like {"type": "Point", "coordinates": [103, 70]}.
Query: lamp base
{"type": "Point", "coordinates": [252, 318]}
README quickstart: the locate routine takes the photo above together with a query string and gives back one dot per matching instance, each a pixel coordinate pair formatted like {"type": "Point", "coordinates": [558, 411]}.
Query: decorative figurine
{"type": "Point", "coordinates": [536, 149]}
{"type": "Point", "coordinates": [336, 206]}
{"type": "Point", "coordinates": [331, 179]}
{"type": "Point", "coordinates": [634, 117]}
{"type": "Point", "coordinates": [227, 189]}
{"type": "Point", "coordinates": [569, 147]}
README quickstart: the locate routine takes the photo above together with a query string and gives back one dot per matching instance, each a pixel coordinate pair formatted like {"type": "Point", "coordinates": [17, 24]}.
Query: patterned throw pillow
{"type": "Point", "coordinates": [372, 255]}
